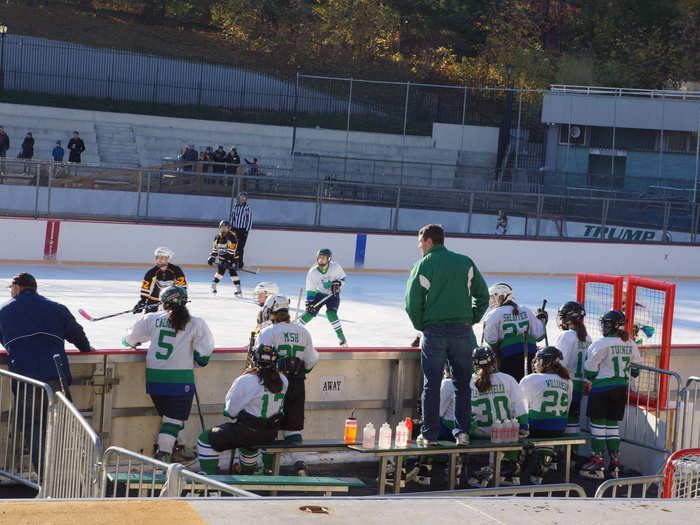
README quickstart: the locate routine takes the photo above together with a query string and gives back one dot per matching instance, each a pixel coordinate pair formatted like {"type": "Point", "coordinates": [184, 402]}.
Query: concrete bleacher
{"type": "Point", "coordinates": [130, 140]}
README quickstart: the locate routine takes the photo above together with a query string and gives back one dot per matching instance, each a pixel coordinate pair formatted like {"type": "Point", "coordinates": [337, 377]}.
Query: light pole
{"type": "Point", "coordinates": [504, 136]}
{"type": "Point", "coordinates": [3, 30]}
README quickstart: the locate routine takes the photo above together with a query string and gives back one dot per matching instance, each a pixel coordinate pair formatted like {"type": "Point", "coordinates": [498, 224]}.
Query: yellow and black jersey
{"type": "Point", "coordinates": [156, 280]}
{"type": "Point", "coordinates": [224, 247]}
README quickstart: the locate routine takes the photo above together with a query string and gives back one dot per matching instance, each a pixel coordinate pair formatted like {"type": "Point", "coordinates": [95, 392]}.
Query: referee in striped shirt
{"type": "Point", "coordinates": [241, 221]}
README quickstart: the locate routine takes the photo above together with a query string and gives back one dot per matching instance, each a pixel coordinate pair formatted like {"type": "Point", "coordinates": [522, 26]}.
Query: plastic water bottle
{"type": "Point", "coordinates": [401, 435]}
{"type": "Point", "coordinates": [385, 436]}
{"type": "Point", "coordinates": [368, 436]}
{"type": "Point", "coordinates": [350, 431]}
{"type": "Point", "coordinates": [496, 431]}
{"type": "Point", "coordinates": [409, 427]}
{"type": "Point", "coordinates": [515, 429]}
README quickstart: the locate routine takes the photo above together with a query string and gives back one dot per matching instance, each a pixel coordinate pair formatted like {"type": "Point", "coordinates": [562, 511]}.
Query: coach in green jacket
{"type": "Point", "coordinates": [445, 296]}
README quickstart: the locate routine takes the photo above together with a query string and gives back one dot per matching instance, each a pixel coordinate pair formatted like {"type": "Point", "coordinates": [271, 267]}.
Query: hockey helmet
{"type": "Point", "coordinates": [324, 251]}
{"type": "Point", "coordinates": [173, 295]}
{"type": "Point", "coordinates": [224, 223]}
{"type": "Point", "coordinates": [483, 357]}
{"type": "Point", "coordinates": [502, 291]}
{"type": "Point", "coordinates": [571, 311]}
{"type": "Point", "coordinates": [274, 304]}
{"type": "Point", "coordinates": [265, 356]}
{"type": "Point", "coordinates": [267, 287]}
{"type": "Point", "coordinates": [548, 355]}
{"type": "Point", "coordinates": [162, 251]}
{"type": "Point", "coordinates": [612, 321]}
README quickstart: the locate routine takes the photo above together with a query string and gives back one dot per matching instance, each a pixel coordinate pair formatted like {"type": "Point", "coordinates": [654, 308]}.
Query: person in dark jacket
{"type": "Point", "coordinates": [219, 156]}
{"type": "Point", "coordinates": [58, 152]}
{"type": "Point", "coordinates": [76, 146]}
{"type": "Point", "coordinates": [4, 142]}
{"type": "Point", "coordinates": [33, 329]}
{"type": "Point", "coordinates": [27, 147]}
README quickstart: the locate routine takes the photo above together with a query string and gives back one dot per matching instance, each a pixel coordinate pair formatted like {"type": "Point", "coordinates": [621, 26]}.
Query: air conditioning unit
{"type": "Point", "coordinates": [577, 134]}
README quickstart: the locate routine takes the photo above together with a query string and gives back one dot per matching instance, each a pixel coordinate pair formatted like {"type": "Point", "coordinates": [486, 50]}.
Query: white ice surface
{"type": "Point", "coordinates": [371, 304]}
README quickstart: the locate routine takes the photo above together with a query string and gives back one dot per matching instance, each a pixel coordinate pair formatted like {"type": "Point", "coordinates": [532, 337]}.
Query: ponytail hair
{"type": "Point", "coordinates": [269, 378]}
{"type": "Point", "coordinates": [580, 328]}
{"type": "Point", "coordinates": [178, 316]}
{"type": "Point", "coordinates": [623, 334]}
{"type": "Point", "coordinates": [512, 303]}
{"type": "Point", "coordinates": [557, 368]}
{"type": "Point", "coordinates": [483, 382]}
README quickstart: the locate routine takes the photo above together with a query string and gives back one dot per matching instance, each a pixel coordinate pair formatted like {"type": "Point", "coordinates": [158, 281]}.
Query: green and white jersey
{"type": "Point", "coordinates": [171, 355]}
{"type": "Point", "coordinates": [548, 399]}
{"type": "Point", "coordinates": [319, 283]}
{"type": "Point", "coordinates": [290, 340]}
{"type": "Point", "coordinates": [504, 329]}
{"type": "Point", "coordinates": [248, 393]}
{"type": "Point", "coordinates": [608, 362]}
{"type": "Point", "coordinates": [504, 400]}
{"type": "Point", "coordinates": [574, 352]}
{"type": "Point", "coordinates": [447, 403]}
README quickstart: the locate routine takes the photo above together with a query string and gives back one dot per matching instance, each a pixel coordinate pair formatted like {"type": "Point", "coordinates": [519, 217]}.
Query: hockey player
{"type": "Point", "coordinates": [505, 327]}
{"type": "Point", "coordinates": [297, 357]}
{"type": "Point", "coordinates": [573, 343]}
{"type": "Point", "coordinates": [496, 397]}
{"type": "Point", "coordinates": [254, 403]}
{"type": "Point", "coordinates": [262, 291]}
{"type": "Point", "coordinates": [162, 275]}
{"type": "Point", "coordinates": [323, 282]}
{"type": "Point", "coordinates": [178, 341]}
{"type": "Point", "coordinates": [224, 248]}
{"type": "Point", "coordinates": [548, 393]}
{"type": "Point", "coordinates": [608, 366]}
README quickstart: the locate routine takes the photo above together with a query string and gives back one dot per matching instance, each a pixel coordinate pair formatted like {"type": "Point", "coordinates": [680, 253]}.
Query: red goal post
{"type": "Point", "coordinates": [648, 306]}
{"type": "Point", "coordinates": [682, 474]}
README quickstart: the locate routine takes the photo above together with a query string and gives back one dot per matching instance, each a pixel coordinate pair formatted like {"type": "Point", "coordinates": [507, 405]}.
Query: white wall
{"type": "Point", "coordinates": [83, 241]}
{"type": "Point", "coordinates": [480, 139]}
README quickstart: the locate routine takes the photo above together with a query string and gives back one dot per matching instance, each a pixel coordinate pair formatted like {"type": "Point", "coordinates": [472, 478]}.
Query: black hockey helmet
{"type": "Point", "coordinates": [265, 356]}
{"type": "Point", "coordinates": [548, 355]}
{"type": "Point", "coordinates": [173, 295]}
{"type": "Point", "coordinates": [612, 321]}
{"type": "Point", "coordinates": [571, 311]}
{"type": "Point", "coordinates": [483, 357]}
{"type": "Point", "coordinates": [324, 251]}
{"type": "Point", "coordinates": [224, 223]}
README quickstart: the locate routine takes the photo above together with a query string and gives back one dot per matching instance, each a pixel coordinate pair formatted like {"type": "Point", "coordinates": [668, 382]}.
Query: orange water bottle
{"type": "Point", "coordinates": [409, 426]}
{"type": "Point", "coordinates": [350, 430]}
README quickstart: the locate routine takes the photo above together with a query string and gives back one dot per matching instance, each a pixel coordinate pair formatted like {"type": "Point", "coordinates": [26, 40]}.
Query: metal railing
{"type": "Point", "coordinates": [688, 406]}
{"type": "Point", "coordinates": [128, 474]}
{"type": "Point", "coordinates": [565, 490]}
{"type": "Point", "coordinates": [35, 189]}
{"type": "Point", "coordinates": [626, 92]}
{"type": "Point", "coordinates": [646, 422]}
{"type": "Point", "coordinates": [637, 487]}
{"type": "Point", "coordinates": [25, 428]}
{"type": "Point", "coordinates": [74, 458]}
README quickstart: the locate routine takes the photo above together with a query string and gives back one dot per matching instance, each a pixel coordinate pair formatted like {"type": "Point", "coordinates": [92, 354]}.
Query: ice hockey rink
{"type": "Point", "coordinates": [371, 306]}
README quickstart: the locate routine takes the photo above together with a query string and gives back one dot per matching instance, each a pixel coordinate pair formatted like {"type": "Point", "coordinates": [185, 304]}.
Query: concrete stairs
{"type": "Point", "coordinates": [116, 144]}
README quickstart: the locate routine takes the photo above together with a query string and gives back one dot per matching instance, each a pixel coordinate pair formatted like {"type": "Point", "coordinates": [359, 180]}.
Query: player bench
{"type": "Point", "coordinates": [273, 484]}
{"type": "Point", "coordinates": [567, 441]}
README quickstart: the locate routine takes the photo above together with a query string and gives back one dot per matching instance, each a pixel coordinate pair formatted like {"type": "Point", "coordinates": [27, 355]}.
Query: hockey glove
{"type": "Point", "coordinates": [634, 371]}
{"type": "Point", "coordinates": [138, 308]}
{"type": "Point", "coordinates": [416, 342]}
{"type": "Point", "coordinates": [542, 315]}
{"type": "Point", "coordinates": [524, 431]}
{"type": "Point", "coordinates": [312, 308]}
{"type": "Point", "coordinates": [335, 287]}
{"type": "Point", "coordinates": [210, 260]}
{"type": "Point", "coordinates": [151, 307]}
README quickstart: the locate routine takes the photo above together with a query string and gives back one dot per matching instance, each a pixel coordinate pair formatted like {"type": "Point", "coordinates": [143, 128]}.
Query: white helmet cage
{"type": "Point", "coordinates": [274, 304]}
{"type": "Point", "coordinates": [162, 251]}
{"type": "Point", "coordinates": [500, 293]}
{"type": "Point", "coordinates": [267, 287]}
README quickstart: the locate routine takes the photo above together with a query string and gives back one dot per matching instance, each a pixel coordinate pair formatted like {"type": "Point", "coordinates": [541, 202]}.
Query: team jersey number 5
{"type": "Point", "coordinates": [162, 343]}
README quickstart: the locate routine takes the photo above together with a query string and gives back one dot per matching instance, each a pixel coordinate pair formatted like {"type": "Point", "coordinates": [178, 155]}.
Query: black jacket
{"type": "Point", "coordinates": [4, 142]}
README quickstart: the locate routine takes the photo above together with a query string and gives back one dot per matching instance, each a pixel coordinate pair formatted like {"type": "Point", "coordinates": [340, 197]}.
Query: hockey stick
{"type": "Point", "coordinates": [62, 378]}
{"type": "Point", "coordinates": [317, 305]}
{"type": "Point", "coordinates": [91, 318]}
{"type": "Point", "coordinates": [546, 339]}
{"type": "Point", "coordinates": [199, 407]}
{"type": "Point", "coordinates": [526, 349]}
{"type": "Point", "coordinates": [254, 272]}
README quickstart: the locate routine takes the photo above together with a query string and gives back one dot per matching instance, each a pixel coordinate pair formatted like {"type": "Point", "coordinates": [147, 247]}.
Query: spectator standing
{"type": "Point", "coordinates": [189, 155]}
{"type": "Point", "coordinates": [502, 223]}
{"type": "Point", "coordinates": [458, 298]}
{"type": "Point", "coordinates": [4, 142]}
{"type": "Point", "coordinates": [219, 156]}
{"type": "Point", "coordinates": [58, 152]}
{"type": "Point", "coordinates": [206, 156]}
{"type": "Point", "coordinates": [76, 147]}
{"type": "Point", "coordinates": [27, 147]}
{"type": "Point", "coordinates": [33, 329]}
{"type": "Point", "coordinates": [241, 221]}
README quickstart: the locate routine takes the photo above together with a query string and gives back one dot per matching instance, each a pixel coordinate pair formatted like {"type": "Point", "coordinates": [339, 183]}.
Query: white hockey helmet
{"type": "Point", "coordinates": [500, 293]}
{"type": "Point", "coordinates": [162, 251]}
{"type": "Point", "coordinates": [274, 304]}
{"type": "Point", "coordinates": [267, 287]}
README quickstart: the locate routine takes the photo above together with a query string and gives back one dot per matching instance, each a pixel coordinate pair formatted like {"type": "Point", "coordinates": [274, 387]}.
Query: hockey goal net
{"type": "Point", "coordinates": [648, 307]}
{"type": "Point", "coordinates": [682, 474]}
